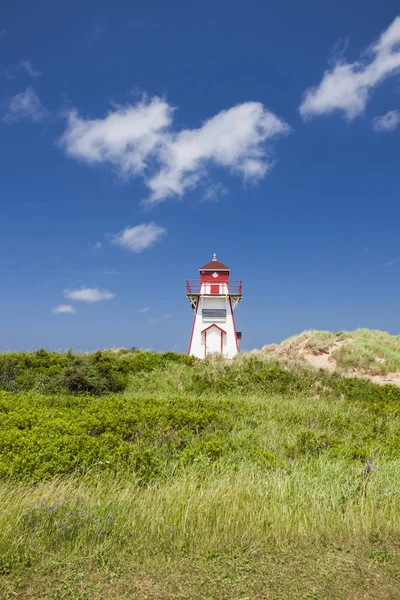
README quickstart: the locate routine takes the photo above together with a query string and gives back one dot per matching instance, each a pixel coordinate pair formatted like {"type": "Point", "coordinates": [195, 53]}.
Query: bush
{"type": "Point", "coordinates": [99, 373]}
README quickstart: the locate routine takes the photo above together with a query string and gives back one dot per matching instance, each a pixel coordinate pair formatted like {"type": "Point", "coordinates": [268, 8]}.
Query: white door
{"type": "Point", "coordinates": [213, 340]}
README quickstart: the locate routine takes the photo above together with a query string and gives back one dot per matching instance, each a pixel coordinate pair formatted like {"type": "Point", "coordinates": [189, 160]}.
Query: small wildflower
{"type": "Point", "coordinates": [52, 507]}
{"type": "Point", "coordinates": [38, 524]}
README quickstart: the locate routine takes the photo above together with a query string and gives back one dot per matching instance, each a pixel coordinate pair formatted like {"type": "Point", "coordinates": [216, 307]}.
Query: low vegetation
{"type": "Point", "coordinates": [158, 476]}
{"type": "Point", "coordinates": [94, 373]}
{"type": "Point", "coordinates": [362, 351]}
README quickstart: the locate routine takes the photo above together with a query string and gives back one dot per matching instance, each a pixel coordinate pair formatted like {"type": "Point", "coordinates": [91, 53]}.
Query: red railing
{"type": "Point", "coordinates": [193, 286]}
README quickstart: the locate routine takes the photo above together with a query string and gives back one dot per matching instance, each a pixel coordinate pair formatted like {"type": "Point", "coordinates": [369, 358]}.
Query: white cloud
{"type": "Point", "coordinates": [89, 295]}
{"type": "Point", "coordinates": [25, 105]}
{"type": "Point", "coordinates": [125, 137]}
{"type": "Point", "coordinates": [23, 65]}
{"type": "Point", "coordinates": [139, 141]}
{"type": "Point", "coordinates": [387, 122]}
{"type": "Point", "coordinates": [64, 308]}
{"type": "Point", "coordinates": [111, 272]}
{"type": "Point", "coordinates": [347, 86]}
{"type": "Point", "coordinates": [138, 238]}
{"type": "Point", "coordinates": [158, 320]}
{"type": "Point", "coordinates": [214, 191]}
{"type": "Point", "coordinates": [27, 66]}
{"type": "Point", "coordinates": [144, 309]}
{"type": "Point", "coordinates": [234, 139]}
{"type": "Point", "coordinates": [96, 245]}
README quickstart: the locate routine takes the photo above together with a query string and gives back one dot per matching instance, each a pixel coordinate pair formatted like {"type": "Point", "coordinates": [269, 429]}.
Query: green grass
{"type": "Point", "coordinates": [374, 352]}
{"type": "Point", "coordinates": [252, 479]}
{"type": "Point", "coordinates": [364, 351]}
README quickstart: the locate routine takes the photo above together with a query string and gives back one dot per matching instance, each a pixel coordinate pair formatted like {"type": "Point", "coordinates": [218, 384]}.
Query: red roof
{"type": "Point", "coordinates": [214, 265]}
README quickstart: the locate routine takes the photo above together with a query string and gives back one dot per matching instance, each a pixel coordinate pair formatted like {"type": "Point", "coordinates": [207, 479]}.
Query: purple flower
{"type": "Point", "coordinates": [38, 524]}
{"type": "Point", "coordinates": [52, 508]}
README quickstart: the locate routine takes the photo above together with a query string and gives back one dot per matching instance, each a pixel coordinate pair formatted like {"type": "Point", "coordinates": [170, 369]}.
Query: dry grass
{"type": "Point", "coordinates": [306, 342]}
{"type": "Point", "coordinates": [363, 351]}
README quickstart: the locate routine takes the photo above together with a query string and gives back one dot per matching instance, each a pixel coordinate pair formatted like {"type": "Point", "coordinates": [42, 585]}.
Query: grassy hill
{"type": "Point", "coordinates": [140, 475]}
{"type": "Point", "coordinates": [361, 352]}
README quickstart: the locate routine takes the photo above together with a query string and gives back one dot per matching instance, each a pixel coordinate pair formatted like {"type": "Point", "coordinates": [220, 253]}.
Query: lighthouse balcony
{"type": "Point", "coordinates": [194, 287]}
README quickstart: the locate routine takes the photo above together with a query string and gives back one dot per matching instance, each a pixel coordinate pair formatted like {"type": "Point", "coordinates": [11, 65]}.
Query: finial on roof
{"type": "Point", "coordinates": [214, 256]}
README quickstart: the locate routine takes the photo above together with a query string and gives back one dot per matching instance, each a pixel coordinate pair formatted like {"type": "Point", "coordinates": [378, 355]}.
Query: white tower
{"type": "Point", "coordinates": [213, 298]}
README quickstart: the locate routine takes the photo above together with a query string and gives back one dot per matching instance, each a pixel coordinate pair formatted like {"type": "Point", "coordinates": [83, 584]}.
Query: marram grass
{"type": "Point", "coordinates": [204, 509]}
{"type": "Point", "coordinates": [255, 479]}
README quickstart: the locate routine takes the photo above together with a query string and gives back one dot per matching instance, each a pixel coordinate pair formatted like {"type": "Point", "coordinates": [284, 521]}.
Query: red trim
{"type": "Point", "coordinates": [194, 287]}
{"type": "Point", "coordinates": [234, 325]}
{"type": "Point", "coordinates": [210, 279]}
{"type": "Point", "coordinates": [194, 323]}
{"type": "Point", "coordinates": [214, 325]}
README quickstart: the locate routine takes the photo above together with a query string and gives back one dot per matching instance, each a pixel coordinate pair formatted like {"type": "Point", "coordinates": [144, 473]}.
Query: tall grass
{"type": "Point", "coordinates": [196, 467]}
{"type": "Point", "coordinates": [372, 352]}
{"type": "Point", "coordinates": [316, 501]}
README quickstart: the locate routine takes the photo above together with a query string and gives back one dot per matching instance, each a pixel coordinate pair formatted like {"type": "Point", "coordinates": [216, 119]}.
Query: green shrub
{"type": "Point", "coordinates": [101, 372]}
{"type": "Point", "coordinates": [9, 370]}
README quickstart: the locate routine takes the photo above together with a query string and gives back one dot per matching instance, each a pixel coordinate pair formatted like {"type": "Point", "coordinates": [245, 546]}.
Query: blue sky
{"type": "Point", "coordinates": [137, 138]}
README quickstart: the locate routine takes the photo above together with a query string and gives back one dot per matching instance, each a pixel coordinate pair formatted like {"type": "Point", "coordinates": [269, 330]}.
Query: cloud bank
{"type": "Point", "coordinates": [25, 105]}
{"type": "Point", "coordinates": [387, 122]}
{"type": "Point", "coordinates": [64, 308]}
{"type": "Point", "coordinates": [89, 295]}
{"type": "Point", "coordinates": [347, 87]}
{"type": "Point", "coordinates": [140, 237]}
{"type": "Point", "coordinates": [139, 140]}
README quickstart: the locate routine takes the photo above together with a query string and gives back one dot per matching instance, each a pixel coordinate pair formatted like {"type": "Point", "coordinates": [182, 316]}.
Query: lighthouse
{"type": "Point", "coordinates": [213, 298]}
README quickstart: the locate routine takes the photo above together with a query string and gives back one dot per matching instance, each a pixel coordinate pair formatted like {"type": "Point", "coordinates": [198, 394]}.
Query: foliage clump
{"type": "Point", "coordinates": [94, 373]}
{"type": "Point", "coordinates": [175, 412]}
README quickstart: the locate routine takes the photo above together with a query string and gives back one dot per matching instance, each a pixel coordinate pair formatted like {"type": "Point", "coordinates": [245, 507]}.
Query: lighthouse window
{"type": "Point", "coordinates": [214, 313]}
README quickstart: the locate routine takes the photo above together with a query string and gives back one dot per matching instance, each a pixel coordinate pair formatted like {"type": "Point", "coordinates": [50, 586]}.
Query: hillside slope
{"type": "Point", "coordinates": [363, 352]}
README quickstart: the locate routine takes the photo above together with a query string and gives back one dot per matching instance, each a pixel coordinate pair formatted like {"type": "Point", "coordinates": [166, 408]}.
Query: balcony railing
{"type": "Point", "coordinates": [193, 287]}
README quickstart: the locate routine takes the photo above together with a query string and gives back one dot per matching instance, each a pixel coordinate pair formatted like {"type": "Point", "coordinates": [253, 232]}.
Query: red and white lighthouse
{"type": "Point", "coordinates": [213, 298]}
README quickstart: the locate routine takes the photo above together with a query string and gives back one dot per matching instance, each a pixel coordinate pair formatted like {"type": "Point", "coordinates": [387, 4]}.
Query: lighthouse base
{"type": "Point", "coordinates": [209, 339]}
